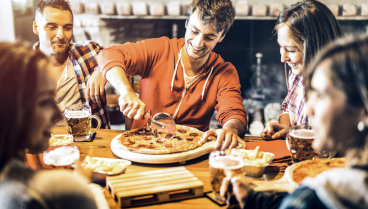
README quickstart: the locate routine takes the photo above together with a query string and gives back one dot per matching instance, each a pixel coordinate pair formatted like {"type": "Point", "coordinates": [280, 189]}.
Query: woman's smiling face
{"type": "Point", "coordinates": [290, 53]}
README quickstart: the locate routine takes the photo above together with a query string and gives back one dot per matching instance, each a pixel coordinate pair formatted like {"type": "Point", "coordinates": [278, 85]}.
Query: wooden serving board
{"type": "Point", "coordinates": [155, 186]}
{"type": "Point", "coordinates": [161, 159]}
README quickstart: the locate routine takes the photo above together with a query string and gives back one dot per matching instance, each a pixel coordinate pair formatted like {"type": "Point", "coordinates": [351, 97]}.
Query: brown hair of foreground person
{"type": "Point", "coordinates": [348, 66]}
{"type": "Point", "coordinates": [18, 80]}
{"type": "Point", "coordinates": [28, 112]}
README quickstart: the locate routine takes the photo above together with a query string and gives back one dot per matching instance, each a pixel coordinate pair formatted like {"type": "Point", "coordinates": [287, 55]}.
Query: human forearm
{"type": "Point", "coordinates": [130, 105]}
{"type": "Point", "coordinates": [236, 125]}
{"type": "Point", "coordinates": [263, 200]}
{"type": "Point", "coordinates": [285, 120]}
{"type": "Point", "coordinates": [117, 77]}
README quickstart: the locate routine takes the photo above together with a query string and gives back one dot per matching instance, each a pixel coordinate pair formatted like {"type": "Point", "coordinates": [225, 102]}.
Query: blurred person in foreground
{"type": "Point", "coordinates": [75, 65]}
{"type": "Point", "coordinates": [302, 30]}
{"type": "Point", "coordinates": [28, 113]}
{"type": "Point", "coordinates": [183, 77]}
{"type": "Point", "coordinates": [337, 98]}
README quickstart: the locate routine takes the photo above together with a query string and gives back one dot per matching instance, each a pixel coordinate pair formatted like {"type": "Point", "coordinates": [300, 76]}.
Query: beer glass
{"type": "Point", "coordinates": [61, 155]}
{"type": "Point", "coordinates": [78, 118]}
{"type": "Point", "coordinates": [299, 142]}
{"type": "Point", "coordinates": [221, 161]}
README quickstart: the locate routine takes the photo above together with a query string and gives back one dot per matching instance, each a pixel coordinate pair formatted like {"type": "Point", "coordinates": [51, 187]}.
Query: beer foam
{"type": "Point", "coordinates": [61, 156]}
{"type": "Point", "coordinates": [77, 114]}
{"type": "Point", "coordinates": [226, 162]}
{"type": "Point", "coordinates": [303, 133]}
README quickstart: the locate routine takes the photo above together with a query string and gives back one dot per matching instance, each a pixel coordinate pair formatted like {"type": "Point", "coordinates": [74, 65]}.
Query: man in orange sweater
{"type": "Point", "coordinates": [183, 77]}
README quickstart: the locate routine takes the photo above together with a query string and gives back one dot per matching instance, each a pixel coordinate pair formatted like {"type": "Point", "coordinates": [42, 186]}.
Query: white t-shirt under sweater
{"type": "Point", "coordinates": [67, 91]}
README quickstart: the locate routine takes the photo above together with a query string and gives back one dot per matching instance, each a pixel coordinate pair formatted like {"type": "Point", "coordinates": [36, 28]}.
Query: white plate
{"type": "Point", "coordinates": [160, 159]}
{"type": "Point", "coordinates": [289, 174]}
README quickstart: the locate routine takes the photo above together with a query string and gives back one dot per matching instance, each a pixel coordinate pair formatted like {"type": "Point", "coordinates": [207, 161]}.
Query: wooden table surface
{"type": "Point", "coordinates": [100, 147]}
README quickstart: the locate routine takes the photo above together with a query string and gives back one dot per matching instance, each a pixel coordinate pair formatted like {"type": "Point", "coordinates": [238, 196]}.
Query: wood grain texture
{"type": "Point", "coordinates": [199, 167]}
{"type": "Point", "coordinates": [150, 187]}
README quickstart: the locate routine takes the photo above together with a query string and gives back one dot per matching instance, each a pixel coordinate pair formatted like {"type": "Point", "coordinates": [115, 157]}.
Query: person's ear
{"type": "Point", "coordinates": [35, 31]}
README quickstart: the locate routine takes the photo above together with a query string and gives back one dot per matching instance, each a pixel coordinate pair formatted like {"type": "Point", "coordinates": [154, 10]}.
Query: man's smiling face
{"type": "Point", "coordinates": [55, 30]}
{"type": "Point", "coordinates": [200, 39]}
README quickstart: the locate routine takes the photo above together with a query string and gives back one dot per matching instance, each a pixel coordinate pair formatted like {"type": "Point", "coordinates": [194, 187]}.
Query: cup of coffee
{"type": "Point", "coordinates": [221, 161]}
{"type": "Point", "coordinates": [79, 120]}
{"type": "Point", "coordinates": [299, 142]}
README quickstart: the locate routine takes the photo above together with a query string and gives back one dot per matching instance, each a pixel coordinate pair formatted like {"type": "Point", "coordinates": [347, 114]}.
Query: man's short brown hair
{"type": "Point", "coordinates": [219, 13]}
{"type": "Point", "coordinates": [57, 4]}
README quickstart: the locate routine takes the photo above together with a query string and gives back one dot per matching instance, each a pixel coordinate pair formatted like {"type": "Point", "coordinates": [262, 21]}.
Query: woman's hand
{"type": "Point", "coordinates": [238, 184]}
{"type": "Point", "coordinates": [274, 130]}
{"type": "Point", "coordinates": [84, 173]}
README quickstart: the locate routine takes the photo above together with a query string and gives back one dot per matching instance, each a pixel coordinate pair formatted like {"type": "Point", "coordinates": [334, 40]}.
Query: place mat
{"type": "Point", "coordinates": [278, 147]}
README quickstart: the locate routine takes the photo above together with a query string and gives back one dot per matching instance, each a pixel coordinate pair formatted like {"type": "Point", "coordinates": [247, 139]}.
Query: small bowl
{"type": "Point", "coordinates": [256, 170]}
{"type": "Point", "coordinates": [100, 177]}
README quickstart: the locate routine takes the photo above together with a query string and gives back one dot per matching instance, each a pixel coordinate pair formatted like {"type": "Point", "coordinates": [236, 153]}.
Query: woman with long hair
{"type": "Point", "coordinates": [302, 30]}
{"type": "Point", "coordinates": [337, 89]}
{"type": "Point", "coordinates": [28, 112]}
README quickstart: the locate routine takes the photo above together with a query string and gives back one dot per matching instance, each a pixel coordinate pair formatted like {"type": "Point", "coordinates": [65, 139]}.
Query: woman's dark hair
{"type": "Point", "coordinates": [349, 68]}
{"type": "Point", "coordinates": [312, 26]}
{"type": "Point", "coordinates": [19, 66]}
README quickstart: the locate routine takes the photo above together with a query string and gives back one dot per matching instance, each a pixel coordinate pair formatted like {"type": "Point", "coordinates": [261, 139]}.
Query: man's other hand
{"type": "Point", "coordinates": [95, 86]}
{"type": "Point", "coordinates": [226, 138]}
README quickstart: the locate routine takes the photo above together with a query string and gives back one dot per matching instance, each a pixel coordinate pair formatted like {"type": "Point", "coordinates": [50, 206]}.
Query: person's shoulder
{"type": "Point", "coordinates": [65, 179]}
{"type": "Point", "coordinates": [15, 194]}
{"type": "Point", "coordinates": [164, 40]}
{"type": "Point", "coordinates": [87, 46]}
{"type": "Point", "coordinates": [217, 61]}
{"type": "Point", "coordinates": [302, 198]}
{"type": "Point", "coordinates": [64, 188]}
{"type": "Point", "coordinates": [21, 187]}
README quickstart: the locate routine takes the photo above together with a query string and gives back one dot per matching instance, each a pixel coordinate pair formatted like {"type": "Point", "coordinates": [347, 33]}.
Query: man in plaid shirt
{"type": "Point", "coordinates": [75, 64]}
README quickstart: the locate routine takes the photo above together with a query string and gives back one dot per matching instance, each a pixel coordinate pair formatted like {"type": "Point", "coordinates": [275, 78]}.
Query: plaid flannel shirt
{"type": "Point", "coordinates": [293, 104]}
{"type": "Point", "coordinates": [83, 57]}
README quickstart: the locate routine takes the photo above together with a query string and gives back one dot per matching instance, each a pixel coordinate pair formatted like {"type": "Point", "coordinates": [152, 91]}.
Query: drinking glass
{"type": "Point", "coordinates": [299, 142]}
{"type": "Point", "coordinates": [61, 155]}
{"type": "Point", "coordinates": [221, 161]}
{"type": "Point", "coordinates": [78, 118]}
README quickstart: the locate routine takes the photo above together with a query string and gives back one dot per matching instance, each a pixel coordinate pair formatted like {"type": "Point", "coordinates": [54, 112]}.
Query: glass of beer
{"type": "Point", "coordinates": [79, 120]}
{"type": "Point", "coordinates": [299, 142]}
{"type": "Point", "coordinates": [221, 161]}
{"type": "Point", "coordinates": [61, 155]}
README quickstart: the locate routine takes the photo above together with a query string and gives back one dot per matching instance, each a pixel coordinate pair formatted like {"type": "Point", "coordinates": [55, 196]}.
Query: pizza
{"type": "Point", "coordinates": [145, 141]}
{"type": "Point", "coordinates": [311, 168]}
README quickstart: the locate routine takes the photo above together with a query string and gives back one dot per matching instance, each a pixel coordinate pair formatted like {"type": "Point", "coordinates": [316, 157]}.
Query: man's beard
{"type": "Point", "coordinates": [196, 58]}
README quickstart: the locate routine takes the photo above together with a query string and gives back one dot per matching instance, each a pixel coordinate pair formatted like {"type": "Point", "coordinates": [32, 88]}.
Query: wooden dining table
{"type": "Point", "coordinates": [199, 167]}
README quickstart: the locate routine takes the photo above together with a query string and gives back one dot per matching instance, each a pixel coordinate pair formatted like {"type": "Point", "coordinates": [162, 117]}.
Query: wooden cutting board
{"type": "Point", "coordinates": [160, 159]}
{"type": "Point", "coordinates": [152, 187]}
